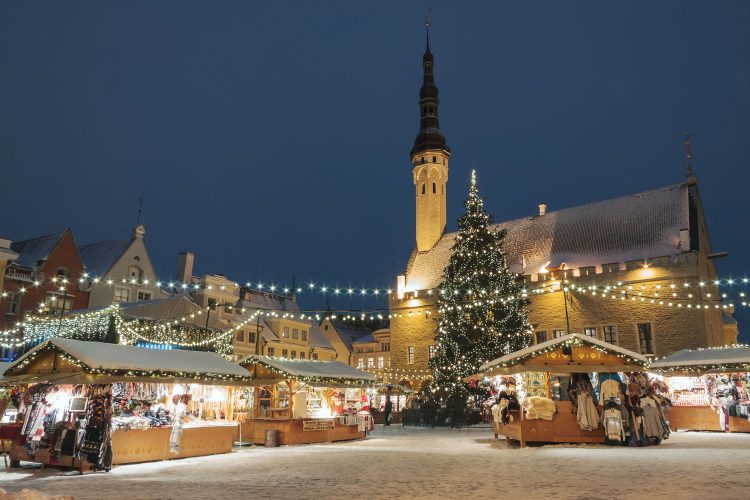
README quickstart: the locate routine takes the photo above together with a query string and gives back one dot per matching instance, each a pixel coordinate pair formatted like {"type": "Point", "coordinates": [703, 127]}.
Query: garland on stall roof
{"type": "Point", "coordinates": [122, 372]}
{"type": "Point", "coordinates": [308, 379]}
{"type": "Point", "coordinates": [573, 342]}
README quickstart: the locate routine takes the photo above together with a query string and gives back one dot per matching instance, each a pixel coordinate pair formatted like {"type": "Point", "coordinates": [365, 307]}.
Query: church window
{"type": "Point", "coordinates": [423, 188]}
{"type": "Point", "coordinates": [434, 188]}
{"type": "Point", "coordinates": [442, 189]}
{"type": "Point", "coordinates": [434, 159]}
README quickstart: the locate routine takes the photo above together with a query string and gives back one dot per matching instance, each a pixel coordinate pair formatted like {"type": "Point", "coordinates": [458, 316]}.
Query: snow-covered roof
{"type": "Point", "coordinates": [366, 339]}
{"type": "Point", "coordinates": [121, 359]}
{"type": "Point", "coordinates": [352, 333]}
{"type": "Point", "coordinates": [630, 358]}
{"type": "Point", "coordinates": [706, 359]}
{"type": "Point", "coordinates": [312, 371]}
{"type": "Point", "coordinates": [639, 226]}
{"type": "Point", "coordinates": [100, 257]}
{"type": "Point", "coordinates": [317, 338]}
{"type": "Point", "coordinates": [727, 318]}
{"type": "Point", "coordinates": [34, 250]}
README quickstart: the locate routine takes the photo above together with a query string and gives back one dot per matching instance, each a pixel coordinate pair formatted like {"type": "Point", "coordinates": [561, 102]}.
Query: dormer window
{"type": "Point", "coordinates": [63, 272]}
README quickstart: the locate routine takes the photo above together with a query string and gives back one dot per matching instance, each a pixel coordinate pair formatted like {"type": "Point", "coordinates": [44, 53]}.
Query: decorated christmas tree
{"type": "Point", "coordinates": [481, 304]}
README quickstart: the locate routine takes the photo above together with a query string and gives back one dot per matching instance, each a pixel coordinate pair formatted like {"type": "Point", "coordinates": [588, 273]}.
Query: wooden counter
{"type": "Point", "coordinates": [563, 428]}
{"type": "Point", "coordinates": [702, 418]}
{"type": "Point", "coordinates": [148, 445]}
{"type": "Point", "coordinates": [293, 430]}
{"type": "Point", "coordinates": [129, 447]}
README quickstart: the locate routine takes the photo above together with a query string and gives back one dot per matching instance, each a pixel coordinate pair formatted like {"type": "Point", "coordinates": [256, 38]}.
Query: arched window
{"type": "Point", "coordinates": [134, 273]}
{"type": "Point", "coordinates": [434, 188]}
{"type": "Point", "coordinates": [423, 188]}
{"type": "Point", "coordinates": [63, 272]}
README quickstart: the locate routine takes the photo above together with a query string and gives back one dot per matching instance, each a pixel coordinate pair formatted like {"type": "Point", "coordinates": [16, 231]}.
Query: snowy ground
{"type": "Point", "coordinates": [426, 463]}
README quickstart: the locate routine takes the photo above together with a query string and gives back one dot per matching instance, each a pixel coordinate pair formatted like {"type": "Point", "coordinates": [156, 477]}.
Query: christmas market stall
{"type": "Point", "coordinates": [709, 388]}
{"type": "Point", "coordinates": [90, 405]}
{"type": "Point", "coordinates": [305, 401]}
{"type": "Point", "coordinates": [574, 389]}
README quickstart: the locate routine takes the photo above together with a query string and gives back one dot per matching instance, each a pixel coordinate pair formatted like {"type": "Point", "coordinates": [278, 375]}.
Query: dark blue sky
{"type": "Point", "coordinates": [272, 139]}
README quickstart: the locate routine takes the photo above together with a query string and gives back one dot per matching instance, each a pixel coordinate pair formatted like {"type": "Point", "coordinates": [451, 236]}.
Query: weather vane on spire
{"type": "Point", "coordinates": [689, 152]}
{"type": "Point", "coordinates": [427, 27]}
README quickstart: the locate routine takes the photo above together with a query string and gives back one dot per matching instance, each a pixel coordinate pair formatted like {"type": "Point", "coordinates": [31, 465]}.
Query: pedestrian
{"type": "Point", "coordinates": [388, 410]}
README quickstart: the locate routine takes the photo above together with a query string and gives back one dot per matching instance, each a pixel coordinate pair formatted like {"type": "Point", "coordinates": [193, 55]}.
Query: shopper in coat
{"type": "Point", "coordinates": [388, 410]}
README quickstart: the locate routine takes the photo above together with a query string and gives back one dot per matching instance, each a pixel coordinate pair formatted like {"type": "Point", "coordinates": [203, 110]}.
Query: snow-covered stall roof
{"type": "Point", "coordinates": [126, 362]}
{"type": "Point", "coordinates": [638, 226]}
{"type": "Point", "coordinates": [706, 360]}
{"type": "Point", "coordinates": [552, 356]}
{"type": "Point", "coordinates": [267, 369]}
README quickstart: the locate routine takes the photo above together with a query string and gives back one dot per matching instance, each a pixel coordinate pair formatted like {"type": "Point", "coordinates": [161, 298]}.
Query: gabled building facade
{"type": "Point", "coordinates": [120, 271]}
{"type": "Point", "coordinates": [44, 278]}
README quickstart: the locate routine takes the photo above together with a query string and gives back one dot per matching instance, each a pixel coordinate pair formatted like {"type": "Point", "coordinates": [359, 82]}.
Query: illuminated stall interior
{"type": "Point", "coordinates": [709, 388]}
{"type": "Point", "coordinates": [144, 393]}
{"type": "Point", "coordinates": [290, 394]}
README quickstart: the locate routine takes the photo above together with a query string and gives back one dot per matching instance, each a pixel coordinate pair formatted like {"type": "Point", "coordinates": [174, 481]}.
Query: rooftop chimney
{"type": "Point", "coordinates": [542, 208]}
{"type": "Point", "coordinates": [185, 266]}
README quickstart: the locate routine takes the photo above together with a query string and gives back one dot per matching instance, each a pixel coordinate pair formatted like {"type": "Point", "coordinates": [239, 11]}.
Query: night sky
{"type": "Point", "coordinates": [273, 139]}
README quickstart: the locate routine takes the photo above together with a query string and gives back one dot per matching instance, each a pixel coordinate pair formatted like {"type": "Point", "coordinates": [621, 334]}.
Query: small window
{"type": "Point", "coordinates": [423, 188]}
{"type": "Point", "coordinates": [143, 295]}
{"type": "Point", "coordinates": [432, 351]}
{"type": "Point", "coordinates": [212, 304]}
{"type": "Point", "coordinates": [284, 353]}
{"type": "Point", "coordinates": [410, 354]}
{"type": "Point", "coordinates": [63, 272]}
{"type": "Point", "coordinates": [251, 337]}
{"type": "Point", "coordinates": [228, 308]}
{"type": "Point", "coordinates": [304, 335]}
{"type": "Point", "coordinates": [271, 351]}
{"type": "Point", "coordinates": [610, 334]}
{"type": "Point", "coordinates": [122, 295]}
{"type": "Point", "coordinates": [558, 333]}
{"type": "Point", "coordinates": [442, 188]}
{"type": "Point", "coordinates": [134, 273]}
{"type": "Point", "coordinates": [540, 337]}
{"type": "Point", "coordinates": [295, 333]}
{"type": "Point", "coordinates": [434, 159]}
{"type": "Point", "coordinates": [370, 362]}
{"type": "Point", "coordinates": [325, 328]}
{"type": "Point", "coordinates": [314, 356]}
{"type": "Point", "coordinates": [294, 354]}
{"type": "Point", "coordinates": [381, 362]}
{"type": "Point", "coordinates": [645, 338]}
{"type": "Point", "coordinates": [360, 363]}
{"type": "Point", "coordinates": [590, 331]}
{"type": "Point", "coordinates": [14, 303]}
{"type": "Point", "coordinates": [302, 355]}
{"type": "Point", "coordinates": [240, 337]}
{"type": "Point", "coordinates": [285, 334]}
{"type": "Point", "coordinates": [434, 188]}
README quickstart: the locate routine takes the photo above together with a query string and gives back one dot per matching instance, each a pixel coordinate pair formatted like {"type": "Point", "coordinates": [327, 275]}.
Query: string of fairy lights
{"type": "Point", "coordinates": [551, 284]}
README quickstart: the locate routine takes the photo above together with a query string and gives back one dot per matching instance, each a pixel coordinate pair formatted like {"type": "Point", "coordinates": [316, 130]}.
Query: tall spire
{"type": "Point", "coordinates": [429, 136]}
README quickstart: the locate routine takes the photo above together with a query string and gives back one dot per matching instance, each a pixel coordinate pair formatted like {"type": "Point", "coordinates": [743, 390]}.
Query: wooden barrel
{"type": "Point", "coordinates": [273, 438]}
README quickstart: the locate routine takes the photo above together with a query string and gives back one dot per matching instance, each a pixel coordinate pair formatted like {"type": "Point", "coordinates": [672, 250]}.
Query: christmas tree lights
{"type": "Point", "coordinates": [468, 335]}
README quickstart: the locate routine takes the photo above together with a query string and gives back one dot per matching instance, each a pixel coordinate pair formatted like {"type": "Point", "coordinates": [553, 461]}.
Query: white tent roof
{"type": "Point", "coordinates": [307, 369]}
{"type": "Point", "coordinates": [115, 357]}
{"type": "Point", "coordinates": [712, 356]}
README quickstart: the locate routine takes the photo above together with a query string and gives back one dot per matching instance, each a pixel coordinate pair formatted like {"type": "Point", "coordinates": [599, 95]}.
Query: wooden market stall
{"type": "Point", "coordinates": [709, 388]}
{"type": "Point", "coordinates": [564, 355]}
{"type": "Point", "coordinates": [307, 401]}
{"type": "Point", "coordinates": [158, 404]}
